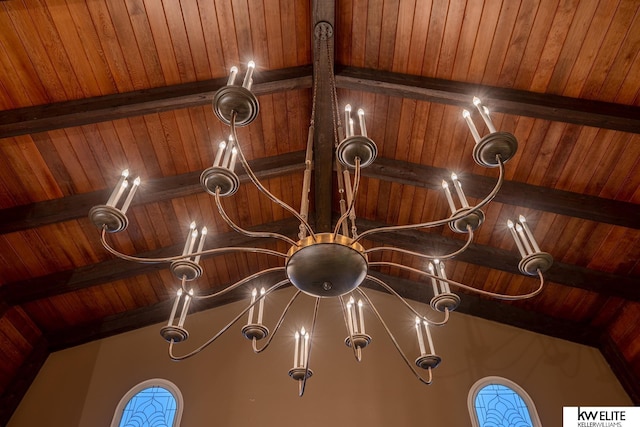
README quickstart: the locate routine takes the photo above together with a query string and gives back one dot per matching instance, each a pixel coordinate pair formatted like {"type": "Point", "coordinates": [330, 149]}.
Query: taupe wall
{"type": "Point", "coordinates": [228, 385]}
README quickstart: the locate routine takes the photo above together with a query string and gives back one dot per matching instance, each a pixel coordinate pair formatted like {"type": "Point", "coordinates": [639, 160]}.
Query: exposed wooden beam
{"type": "Point", "coordinates": [21, 292]}
{"type": "Point", "coordinates": [323, 17]}
{"type": "Point", "coordinates": [512, 193]}
{"type": "Point", "coordinates": [511, 101]}
{"type": "Point", "coordinates": [110, 107]}
{"type": "Point", "coordinates": [77, 206]}
{"type": "Point", "coordinates": [607, 284]}
{"type": "Point", "coordinates": [565, 274]}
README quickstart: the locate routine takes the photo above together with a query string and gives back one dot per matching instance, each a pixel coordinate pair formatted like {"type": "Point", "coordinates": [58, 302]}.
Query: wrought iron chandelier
{"type": "Point", "coordinates": [328, 265]}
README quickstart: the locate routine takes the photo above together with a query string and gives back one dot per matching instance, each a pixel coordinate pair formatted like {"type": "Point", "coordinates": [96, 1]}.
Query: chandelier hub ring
{"type": "Point", "coordinates": [174, 333]}
{"type": "Point", "coordinates": [238, 99]}
{"type": "Point", "coordinates": [255, 331]}
{"type": "Point", "coordinates": [299, 373]}
{"type": "Point", "coordinates": [356, 146]}
{"type": "Point", "coordinates": [109, 218]}
{"type": "Point", "coordinates": [185, 268]}
{"type": "Point", "coordinates": [473, 220]}
{"type": "Point", "coordinates": [216, 177]}
{"type": "Point", "coordinates": [360, 340]}
{"type": "Point", "coordinates": [428, 361]}
{"type": "Point", "coordinates": [503, 144]}
{"type": "Point", "coordinates": [536, 261]}
{"type": "Point", "coordinates": [328, 266]}
{"type": "Point", "coordinates": [445, 301]}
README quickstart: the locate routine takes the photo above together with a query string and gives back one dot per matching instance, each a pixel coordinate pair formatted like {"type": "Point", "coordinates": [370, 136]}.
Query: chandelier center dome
{"type": "Point", "coordinates": [328, 266]}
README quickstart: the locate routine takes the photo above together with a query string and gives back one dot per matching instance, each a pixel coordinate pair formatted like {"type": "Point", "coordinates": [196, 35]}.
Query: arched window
{"type": "Point", "coordinates": [152, 403]}
{"type": "Point", "coordinates": [498, 402]}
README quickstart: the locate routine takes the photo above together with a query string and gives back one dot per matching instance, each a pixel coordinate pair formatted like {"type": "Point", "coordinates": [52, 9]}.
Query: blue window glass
{"type": "Point", "coordinates": [497, 405]}
{"type": "Point", "coordinates": [151, 407]}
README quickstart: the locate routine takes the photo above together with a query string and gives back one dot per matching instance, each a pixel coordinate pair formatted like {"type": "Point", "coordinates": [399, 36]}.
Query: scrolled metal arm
{"type": "Point", "coordinates": [438, 223]}
{"type": "Point", "coordinates": [467, 287]}
{"type": "Point", "coordinates": [277, 327]}
{"type": "Point", "coordinates": [225, 328]}
{"type": "Point", "coordinates": [261, 187]}
{"type": "Point", "coordinates": [393, 292]}
{"type": "Point", "coordinates": [233, 225]}
{"type": "Point", "coordinates": [395, 342]}
{"type": "Point", "coordinates": [216, 251]}
{"type": "Point", "coordinates": [418, 254]}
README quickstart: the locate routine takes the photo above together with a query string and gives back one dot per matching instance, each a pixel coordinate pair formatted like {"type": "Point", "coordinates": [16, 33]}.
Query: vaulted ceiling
{"type": "Point", "coordinates": [89, 88]}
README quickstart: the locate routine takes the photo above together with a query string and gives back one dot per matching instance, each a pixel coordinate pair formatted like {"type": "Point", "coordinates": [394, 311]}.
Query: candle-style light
{"type": "Point", "coordinates": [232, 75]}
{"type": "Point", "coordinates": [305, 356]}
{"type": "Point", "coordinates": [349, 317]}
{"type": "Point", "coordinates": [472, 127]}
{"type": "Point", "coordinates": [301, 350]}
{"type": "Point", "coordinates": [203, 235]}
{"type": "Point", "coordinates": [434, 284]}
{"type": "Point", "coordinates": [523, 221]}
{"type": "Point", "coordinates": [187, 244]}
{"type": "Point", "coordinates": [118, 189]}
{"type": "Point", "coordinates": [219, 153]}
{"type": "Point", "coordinates": [447, 192]}
{"type": "Point", "coordinates": [234, 157]}
{"type": "Point", "coordinates": [185, 308]}
{"type": "Point", "coordinates": [248, 80]}
{"type": "Point", "coordinates": [524, 240]}
{"type": "Point", "coordinates": [484, 112]}
{"type": "Point", "coordinates": [420, 338]}
{"type": "Point", "coordinates": [511, 227]}
{"type": "Point", "coordinates": [192, 241]}
{"type": "Point", "coordinates": [361, 315]}
{"type": "Point", "coordinates": [347, 120]}
{"type": "Point", "coordinates": [443, 283]}
{"type": "Point", "coordinates": [228, 151]}
{"type": "Point", "coordinates": [363, 127]}
{"type": "Point", "coordinates": [132, 191]}
{"type": "Point", "coordinates": [261, 306]}
{"type": "Point", "coordinates": [254, 292]}
{"type": "Point", "coordinates": [172, 316]}
{"type": "Point", "coordinates": [296, 350]}
{"type": "Point", "coordinates": [429, 339]}
{"type": "Point", "coordinates": [458, 186]}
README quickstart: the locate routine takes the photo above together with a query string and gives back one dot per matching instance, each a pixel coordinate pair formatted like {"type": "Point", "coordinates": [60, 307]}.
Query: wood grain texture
{"type": "Point", "coordinates": [91, 88]}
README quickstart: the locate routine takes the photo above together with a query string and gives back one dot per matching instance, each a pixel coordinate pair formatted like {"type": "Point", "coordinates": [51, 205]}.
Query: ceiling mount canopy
{"type": "Point", "coordinates": [329, 265]}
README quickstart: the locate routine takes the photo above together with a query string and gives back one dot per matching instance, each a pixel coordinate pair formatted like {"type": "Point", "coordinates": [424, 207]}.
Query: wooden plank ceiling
{"type": "Point", "coordinates": [89, 88]}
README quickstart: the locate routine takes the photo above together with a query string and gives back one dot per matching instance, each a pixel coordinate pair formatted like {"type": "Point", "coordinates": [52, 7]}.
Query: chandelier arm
{"type": "Point", "coordinates": [225, 328]}
{"type": "Point", "coordinates": [393, 292]}
{"type": "Point", "coordinates": [277, 327]}
{"type": "Point", "coordinates": [395, 342]}
{"type": "Point", "coordinates": [261, 187]}
{"type": "Point", "coordinates": [444, 221]}
{"type": "Point", "coordinates": [238, 284]}
{"type": "Point", "coordinates": [467, 287]}
{"type": "Point", "coordinates": [244, 232]}
{"type": "Point", "coordinates": [217, 251]}
{"type": "Point", "coordinates": [354, 192]}
{"type": "Point", "coordinates": [346, 323]}
{"type": "Point", "coordinates": [417, 254]}
{"type": "Point", "coordinates": [303, 382]}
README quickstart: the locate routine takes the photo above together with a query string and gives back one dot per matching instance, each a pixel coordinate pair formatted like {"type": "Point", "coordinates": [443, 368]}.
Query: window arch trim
{"type": "Point", "coordinates": [155, 382]}
{"type": "Point", "coordinates": [483, 382]}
